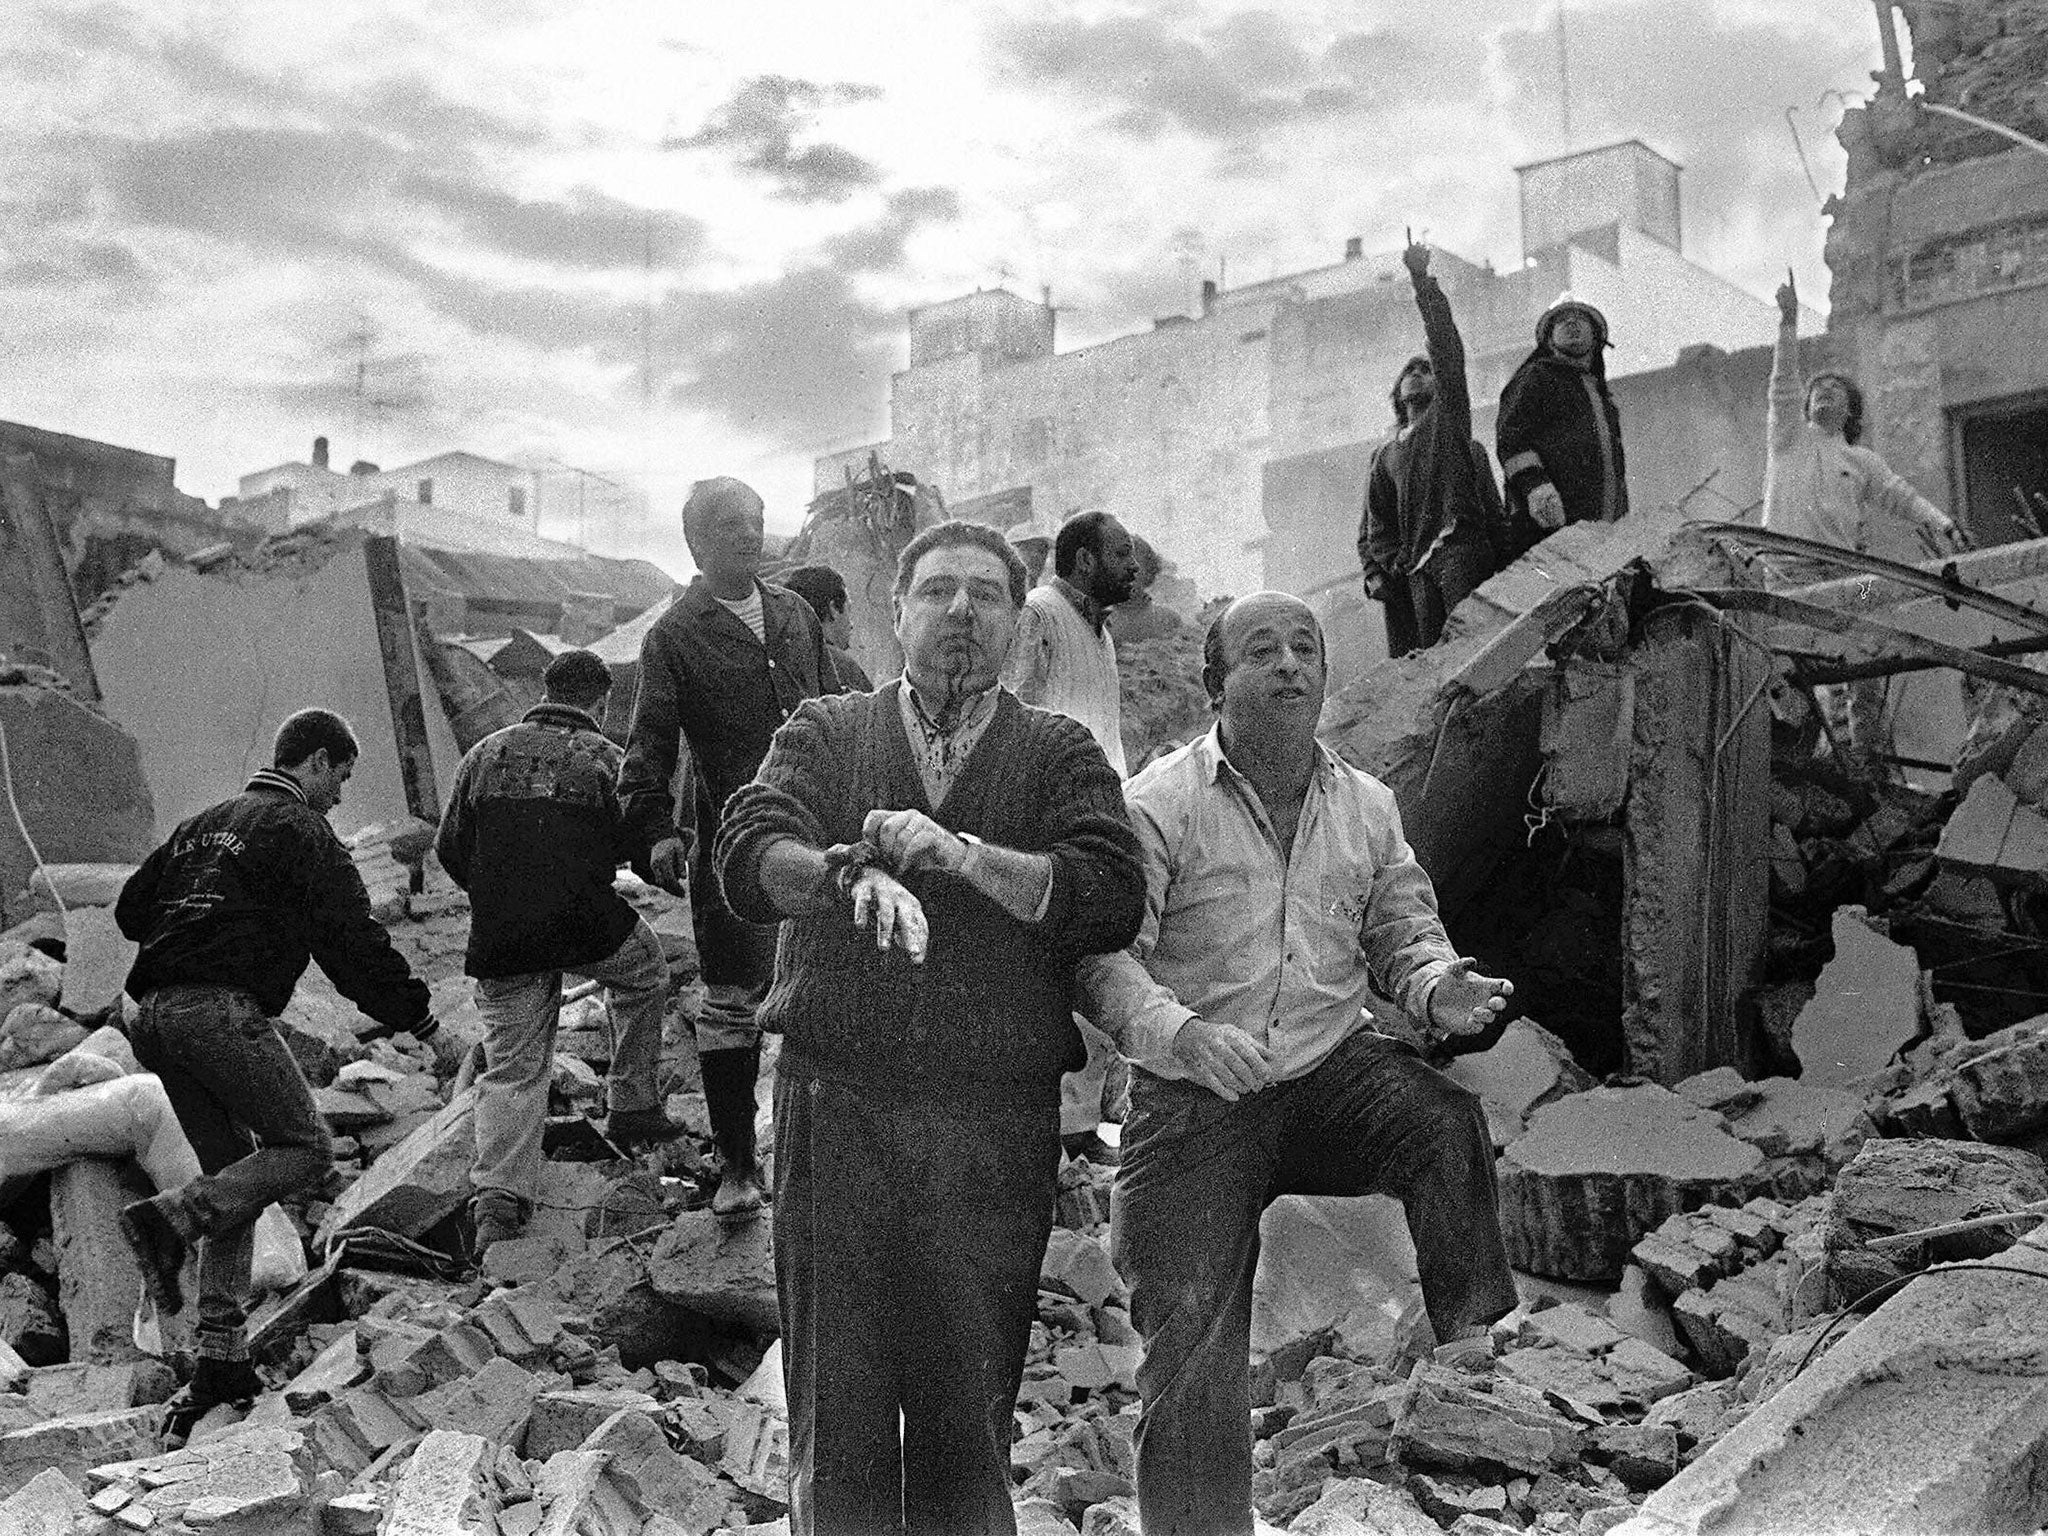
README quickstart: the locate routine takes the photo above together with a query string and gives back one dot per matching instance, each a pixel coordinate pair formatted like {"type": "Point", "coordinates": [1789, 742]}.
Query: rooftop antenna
{"type": "Point", "coordinates": [1564, 76]}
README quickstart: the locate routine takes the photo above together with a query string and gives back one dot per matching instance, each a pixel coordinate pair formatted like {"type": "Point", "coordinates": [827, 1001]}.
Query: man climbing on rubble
{"type": "Point", "coordinates": [729, 662]}
{"type": "Point", "coordinates": [945, 855]}
{"type": "Point", "coordinates": [1558, 433]}
{"type": "Point", "coordinates": [1279, 893]}
{"type": "Point", "coordinates": [535, 834]}
{"type": "Point", "coordinates": [227, 913]}
{"type": "Point", "coordinates": [1821, 483]}
{"type": "Point", "coordinates": [1064, 660]}
{"type": "Point", "coordinates": [1432, 513]}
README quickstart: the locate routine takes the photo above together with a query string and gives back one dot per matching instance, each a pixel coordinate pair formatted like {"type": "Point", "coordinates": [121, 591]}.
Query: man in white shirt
{"type": "Point", "coordinates": [1065, 661]}
{"type": "Point", "coordinates": [1278, 887]}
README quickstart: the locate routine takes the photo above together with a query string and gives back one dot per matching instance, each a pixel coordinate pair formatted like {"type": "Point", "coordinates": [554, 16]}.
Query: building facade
{"type": "Point", "coordinates": [467, 485]}
{"type": "Point", "coordinates": [1232, 438]}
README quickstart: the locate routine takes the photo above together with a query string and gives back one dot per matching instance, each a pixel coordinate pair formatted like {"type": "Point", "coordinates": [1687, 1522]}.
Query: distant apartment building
{"type": "Point", "coordinates": [1235, 439]}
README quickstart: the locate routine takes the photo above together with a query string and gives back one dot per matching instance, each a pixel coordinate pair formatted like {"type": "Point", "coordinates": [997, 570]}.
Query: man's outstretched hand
{"type": "Point", "coordinates": [1465, 1002]}
{"type": "Point", "coordinates": [898, 915]}
{"type": "Point", "coordinates": [1416, 257]}
{"type": "Point", "coordinates": [1222, 1058]}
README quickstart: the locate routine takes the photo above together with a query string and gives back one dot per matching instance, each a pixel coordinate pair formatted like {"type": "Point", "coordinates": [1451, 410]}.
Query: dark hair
{"type": "Point", "coordinates": [1852, 429]}
{"type": "Point", "coordinates": [1216, 665]}
{"type": "Point", "coordinates": [707, 496]}
{"type": "Point", "coordinates": [307, 732]}
{"type": "Point", "coordinates": [1407, 368]}
{"type": "Point", "coordinates": [958, 531]}
{"type": "Point", "coordinates": [819, 585]}
{"type": "Point", "coordinates": [1081, 531]}
{"type": "Point", "coordinates": [577, 677]}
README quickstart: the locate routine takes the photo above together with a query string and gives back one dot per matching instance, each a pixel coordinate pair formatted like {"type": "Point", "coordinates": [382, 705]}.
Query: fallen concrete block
{"type": "Point", "coordinates": [1596, 1171]}
{"type": "Point", "coordinates": [724, 1271]}
{"type": "Point", "coordinates": [96, 961]}
{"type": "Point", "coordinates": [76, 1443]}
{"type": "Point", "coordinates": [1683, 1255]}
{"type": "Point", "coordinates": [1092, 1367]}
{"type": "Point", "coordinates": [1994, 835]}
{"type": "Point", "coordinates": [1571, 1327]}
{"type": "Point", "coordinates": [1927, 1417]}
{"type": "Point", "coordinates": [1078, 1265]}
{"type": "Point", "coordinates": [27, 976]}
{"type": "Point", "coordinates": [1732, 1318]}
{"type": "Point", "coordinates": [755, 1454]}
{"type": "Point", "coordinates": [523, 1325]}
{"type": "Point", "coordinates": [1644, 1456]}
{"type": "Point", "coordinates": [317, 1024]}
{"type": "Point", "coordinates": [56, 1391]}
{"type": "Point", "coordinates": [1446, 1422]}
{"type": "Point", "coordinates": [579, 1498]}
{"type": "Point", "coordinates": [48, 1504]}
{"type": "Point", "coordinates": [448, 1488]}
{"type": "Point", "coordinates": [417, 1183]}
{"type": "Point", "coordinates": [495, 1402]}
{"type": "Point", "coordinates": [1806, 1132]}
{"type": "Point", "coordinates": [562, 1420]}
{"type": "Point", "coordinates": [28, 1320]}
{"type": "Point", "coordinates": [250, 1477]}
{"type": "Point", "coordinates": [1865, 1007]}
{"type": "Point", "coordinates": [347, 1111]}
{"type": "Point", "coordinates": [655, 1474]}
{"type": "Point", "coordinates": [1525, 1069]}
{"type": "Point", "coordinates": [355, 1429]}
{"type": "Point", "coordinates": [339, 1365]}
{"type": "Point", "coordinates": [2001, 1093]}
{"type": "Point", "coordinates": [1448, 1499]}
{"type": "Point", "coordinates": [447, 1355]}
{"type": "Point", "coordinates": [98, 1279]}
{"type": "Point", "coordinates": [35, 1032]}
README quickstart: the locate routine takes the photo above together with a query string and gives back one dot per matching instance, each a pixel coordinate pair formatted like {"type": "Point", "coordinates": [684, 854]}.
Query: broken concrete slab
{"type": "Point", "coordinates": [448, 1488]}
{"type": "Point", "coordinates": [1865, 1008]}
{"type": "Point", "coordinates": [97, 809]}
{"type": "Point", "coordinates": [494, 1402]}
{"type": "Point", "coordinates": [48, 1504]}
{"type": "Point", "coordinates": [1928, 1418]}
{"type": "Point", "coordinates": [78, 1442]}
{"type": "Point", "coordinates": [721, 1270]}
{"type": "Point", "coordinates": [580, 1498]}
{"type": "Point", "coordinates": [1523, 1070]}
{"type": "Point", "coordinates": [98, 1279]}
{"type": "Point", "coordinates": [1993, 834]}
{"type": "Point", "coordinates": [416, 1183]}
{"type": "Point", "coordinates": [656, 1475]}
{"type": "Point", "coordinates": [1354, 1506]}
{"type": "Point", "coordinates": [1078, 1265]}
{"type": "Point", "coordinates": [96, 960]}
{"type": "Point", "coordinates": [1596, 1171]}
{"type": "Point", "coordinates": [1999, 1085]}
{"type": "Point", "coordinates": [1806, 1131]}
{"type": "Point", "coordinates": [563, 1419]}
{"type": "Point", "coordinates": [1462, 1423]}
{"type": "Point", "coordinates": [250, 1477]}
{"type": "Point", "coordinates": [1731, 1319]}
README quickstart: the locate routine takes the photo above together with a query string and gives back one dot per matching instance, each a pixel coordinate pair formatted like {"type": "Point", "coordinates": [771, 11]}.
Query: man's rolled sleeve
{"type": "Point", "coordinates": [1124, 1002]}
{"type": "Point", "coordinates": [1402, 937]}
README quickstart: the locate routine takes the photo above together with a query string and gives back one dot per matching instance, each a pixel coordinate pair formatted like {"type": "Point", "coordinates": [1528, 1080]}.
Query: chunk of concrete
{"type": "Point", "coordinates": [1446, 1421]}
{"type": "Point", "coordinates": [98, 1279]}
{"type": "Point", "coordinates": [2000, 1089]}
{"type": "Point", "coordinates": [563, 1420]}
{"type": "Point", "coordinates": [33, 1032]}
{"type": "Point", "coordinates": [249, 1477]}
{"type": "Point", "coordinates": [48, 1504]}
{"type": "Point", "coordinates": [653, 1472]}
{"type": "Point", "coordinates": [1526, 1068]}
{"type": "Point", "coordinates": [28, 1320]}
{"type": "Point", "coordinates": [1995, 835]}
{"type": "Point", "coordinates": [495, 1402]}
{"type": "Point", "coordinates": [448, 1488]}
{"type": "Point", "coordinates": [579, 1498]}
{"type": "Point", "coordinates": [77, 1442]}
{"type": "Point", "coordinates": [417, 1183]}
{"type": "Point", "coordinates": [1927, 1418]}
{"type": "Point", "coordinates": [1865, 1007]}
{"type": "Point", "coordinates": [721, 1270]}
{"type": "Point", "coordinates": [1596, 1171]}
{"type": "Point", "coordinates": [1078, 1265]}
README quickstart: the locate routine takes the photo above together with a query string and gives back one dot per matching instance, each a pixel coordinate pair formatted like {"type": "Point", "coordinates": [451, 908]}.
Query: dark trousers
{"type": "Point", "coordinates": [1198, 1172]}
{"type": "Point", "coordinates": [908, 1240]}
{"type": "Point", "coordinates": [1452, 574]}
{"type": "Point", "coordinates": [248, 1112]}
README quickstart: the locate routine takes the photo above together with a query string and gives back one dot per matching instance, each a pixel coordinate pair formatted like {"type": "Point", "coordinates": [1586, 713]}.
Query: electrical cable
{"type": "Point", "coordinates": [1892, 1287]}
{"type": "Point", "coordinates": [21, 826]}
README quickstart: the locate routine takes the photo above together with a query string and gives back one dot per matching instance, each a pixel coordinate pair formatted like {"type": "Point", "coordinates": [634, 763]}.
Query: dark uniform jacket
{"type": "Point", "coordinates": [1559, 423]}
{"type": "Point", "coordinates": [534, 833]}
{"type": "Point", "coordinates": [245, 893]}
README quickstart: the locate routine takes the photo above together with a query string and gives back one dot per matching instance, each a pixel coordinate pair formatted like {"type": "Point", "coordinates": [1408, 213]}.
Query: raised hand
{"type": "Point", "coordinates": [1464, 1001]}
{"type": "Point", "coordinates": [1788, 298]}
{"type": "Point", "coordinates": [1546, 506]}
{"type": "Point", "coordinates": [1416, 257]}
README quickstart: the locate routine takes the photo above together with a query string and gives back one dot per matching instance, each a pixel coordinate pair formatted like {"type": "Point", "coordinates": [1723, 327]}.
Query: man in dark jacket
{"type": "Point", "coordinates": [825, 590]}
{"type": "Point", "coordinates": [227, 914]}
{"type": "Point", "coordinates": [729, 662]}
{"type": "Point", "coordinates": [1559, 433]}
{"type": "Point", "coordinates": [917, 1107]}
{"type": "Point", "coordinates": [534, 834]}
{"type": "Point", "coordinates": [1432, 512]}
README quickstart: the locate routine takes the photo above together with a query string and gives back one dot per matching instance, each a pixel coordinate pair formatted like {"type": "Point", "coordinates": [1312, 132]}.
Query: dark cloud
{"type": "Point", "coordinates": [762, 123]}
{"type": "Point", "coordinates": [880, 246]}
{"type": "Point", "coordinates": [1233, 81]}
{"type": "Point", "coordinates": [107, 264]}
{"type": "Point", "coordinates": [585, 229]}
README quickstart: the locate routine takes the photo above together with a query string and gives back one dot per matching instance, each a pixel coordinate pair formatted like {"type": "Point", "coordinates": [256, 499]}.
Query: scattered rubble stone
{"type": "Point", "coordinates": [1866, 1006]}
{"type": "Point", "coordinates": [28, 1320]}
{"type": "Point", "coordinates": [1525, 1069]}
{"type": "Point", "coordinates": [1597, 1170]}
{"type": "Point", "coordinates": [1999, 1085]}
{"type": "Point", "coordinates": [48, 1504]}
{"type": "Point", "coordinates": [417, 1183]}
{"type": "Point", "coordinates": [724, 1271]}
{"type": "Point", "coordinates": [34, 1032]}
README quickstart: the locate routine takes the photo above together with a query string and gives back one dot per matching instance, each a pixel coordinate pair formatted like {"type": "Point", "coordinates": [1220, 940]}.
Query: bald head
{"type": "Point", "coordinates": [1255, 611]}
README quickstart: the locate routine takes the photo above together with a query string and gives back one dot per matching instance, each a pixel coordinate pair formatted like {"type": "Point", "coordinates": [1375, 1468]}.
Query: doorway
{"type": "Point", "coordinates": [2004, 454]}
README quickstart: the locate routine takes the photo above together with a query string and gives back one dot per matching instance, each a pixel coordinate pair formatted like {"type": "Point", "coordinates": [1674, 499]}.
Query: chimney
{"type": "Point", "coordinates": [319, 453]}
{"type": "Point", "coordinates": [1354, 248]}
{"type": "Point", "coordinates": [363, 467]}
{"type": "Point", "coordinates": [1208, 294]}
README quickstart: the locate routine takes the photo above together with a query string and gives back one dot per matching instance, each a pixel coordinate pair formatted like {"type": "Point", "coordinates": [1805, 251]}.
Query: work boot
{"type": "Point", "coordinates": [213, 1382]}
{"type": "Point", "coordinates": [630, 1128]}
{"type": "Point", "coordinates": [498, 1218]}
{"type": "Point", "coordinates": [159, 1239]}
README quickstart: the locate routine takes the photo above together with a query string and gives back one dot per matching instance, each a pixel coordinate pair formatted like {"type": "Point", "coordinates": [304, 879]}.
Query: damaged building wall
{"type": "Point", "coordinates": [78, 779]}
{"type": "Point", "coordinates": [203, 668]}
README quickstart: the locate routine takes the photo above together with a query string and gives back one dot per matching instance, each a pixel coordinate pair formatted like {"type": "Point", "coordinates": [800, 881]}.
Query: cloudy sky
{"type": "Point", "coordinates": [663, 240]}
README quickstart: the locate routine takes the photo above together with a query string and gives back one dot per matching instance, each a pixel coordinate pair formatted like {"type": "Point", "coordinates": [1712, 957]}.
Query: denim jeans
{"type": "Point", "coordinates": [1198, 1172]}
{"type": "Point", "coordinates": [520, 1014]}
{"type": "Point", "coordinates": [248, 1113]}
{"type": "Point", "coordinates": [908, 1240]}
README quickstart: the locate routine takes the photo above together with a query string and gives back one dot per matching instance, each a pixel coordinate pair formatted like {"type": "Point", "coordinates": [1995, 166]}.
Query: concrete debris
{"type": "Point", "coordinates": [1806, 1132]}
{"type": "Point", "coordinates": [417, 1183]}
{"type": "Point", "coordinates": [1525, 1069]}
{"type": "Point", "coordinates": [1865, 1007]}
{"type": "Point", "coordinates": [724, 1271]}
{"type": "Point", "coordinates": [1597, 1170]}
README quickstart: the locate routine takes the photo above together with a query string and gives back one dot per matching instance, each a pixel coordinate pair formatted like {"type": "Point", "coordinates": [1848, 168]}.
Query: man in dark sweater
{"type": "Point", "coordinates": [534, 834]}
{"type": "Point", "coordinates": [1432, 512]}
{"type": "Point", "coordinates": [946, 854]}
{"type": "Point", "coordinates": [1559, 431]}
{"type": "Point", "coordinates": [227, 913]}
{"type": "Point", "coordinates": [729, 662]}
{"type": "Point", "coordinates": [825, 590]}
